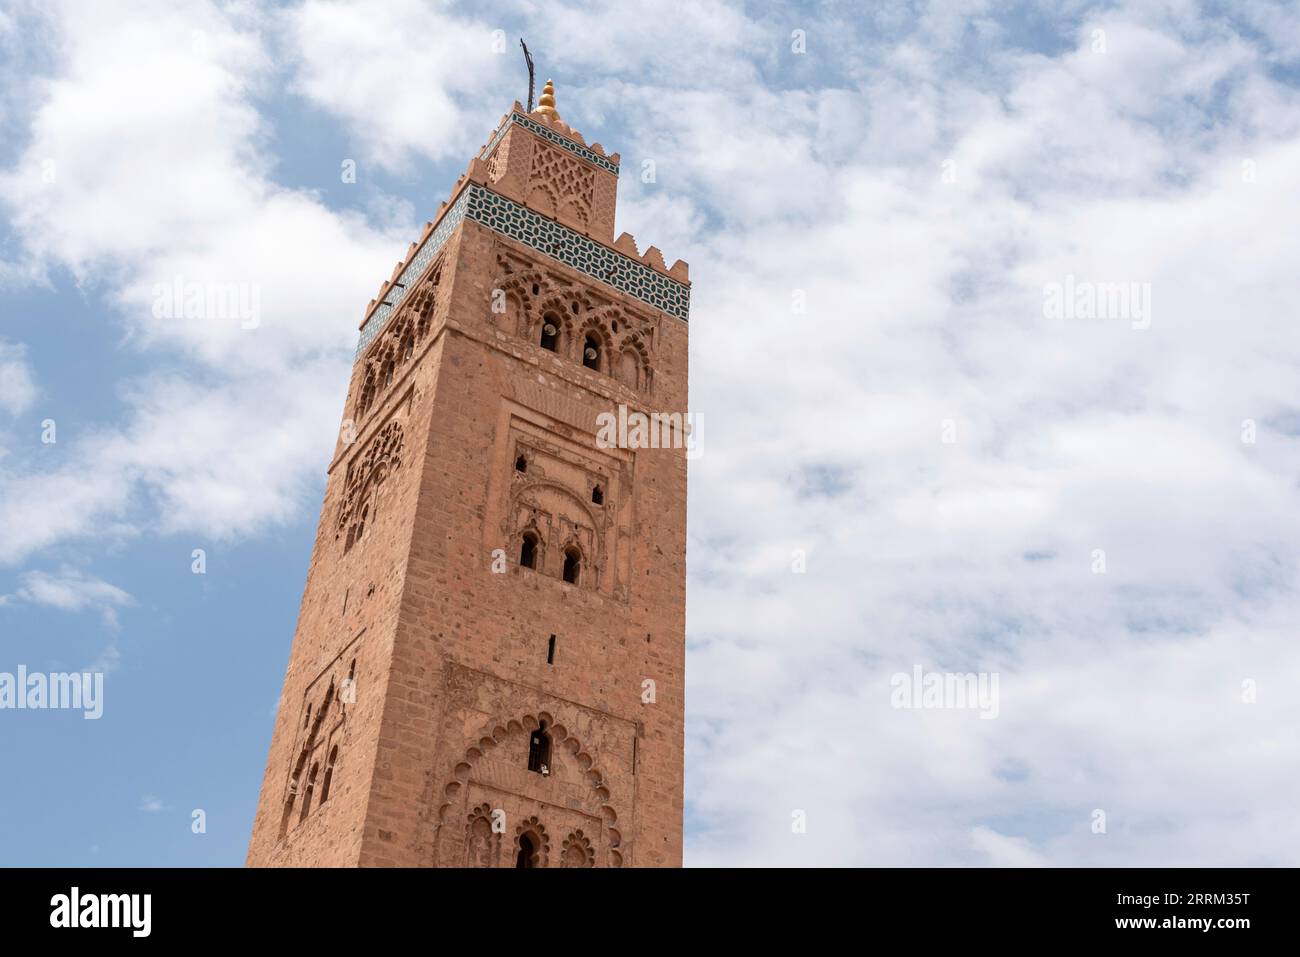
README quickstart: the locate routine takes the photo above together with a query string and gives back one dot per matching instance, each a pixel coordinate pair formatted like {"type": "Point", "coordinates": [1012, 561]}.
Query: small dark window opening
{"type": "Point", "coordinates": [536, 289]}
{"type": "Point", "coordinates": [572, 564]}
{"type": "Point", "coordinates": [597, 496]}
{"type": "Point", "coordinates": [528, 551]}
{"type": "Point", "coordinates": [591, 353]}
{"type": "Point", "coordinates": [539, 751]}
{"type": "Point", "coordinates": [575, 308]}
{"type": "Point", "coordinates": [550, 334]}
{"type": "Point", "coordinates": [521, 464]}
{"type": "Point", "coordinates": [307, 720]}
{"type": "Point", "coordinates": [614, 325]}
{"type": "Point", "coordinates": [550, 651]}
{"type": "Point", "coordinates": [526, 852]}
{"type": "Point", "coordinates": [352, 669]}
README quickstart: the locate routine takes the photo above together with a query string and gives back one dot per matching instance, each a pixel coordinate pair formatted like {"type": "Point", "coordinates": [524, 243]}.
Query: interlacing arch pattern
{"type": "Point", "coordinates": [365, 476]}
{"type": "Point", "coordinates": [568, 184]}
{"type": "Point", "coordinates": [560, 738]}
{"type": "Point", "coordinates": [303, 783]}
{"type": "Point", "coordinates": [396, 344]}
{"type": "Point", "coordinates": [624, 354]}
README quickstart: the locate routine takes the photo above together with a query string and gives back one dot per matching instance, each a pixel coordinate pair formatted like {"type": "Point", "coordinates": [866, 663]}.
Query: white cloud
{"type": "Point", "coordinates": [72, 590]}
{"type": "Point", "coordinates": [409, 79]}
{"type": "Point", "coordinates": [17, 381]}
{"type": "Point", "coordinates": [198, 450]}
{"type": "Point", "coordinates": [1005, 851]}
{"type": "Point", "coordinates": [152, 804]}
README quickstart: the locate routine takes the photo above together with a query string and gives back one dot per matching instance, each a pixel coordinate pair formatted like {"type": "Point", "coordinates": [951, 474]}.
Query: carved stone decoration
{"type": "Point", "coordinates": [558, 515]}
{"type": "Point", "coordinates": [560, 186]}
{"type": "Point", "coordinates": [576, 851]}
{"type": "Point", "coordinates": [396, 344]}
{"type": "Point", "coordinates": [482, 842]}
{"type": "Point", "coordinates": [367, 472]}
{"type": "Point", "coordinates": [531, 296]}
{"type": "Point", "coordinates": [565, 747]}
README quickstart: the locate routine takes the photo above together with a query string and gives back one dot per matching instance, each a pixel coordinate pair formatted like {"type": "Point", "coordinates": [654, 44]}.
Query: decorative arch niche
{"type": "Point", "coordinates": [563, 742]}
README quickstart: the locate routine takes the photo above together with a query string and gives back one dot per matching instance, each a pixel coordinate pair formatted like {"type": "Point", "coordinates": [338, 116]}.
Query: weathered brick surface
{"type": "Point", "coordinates": [444, 633]}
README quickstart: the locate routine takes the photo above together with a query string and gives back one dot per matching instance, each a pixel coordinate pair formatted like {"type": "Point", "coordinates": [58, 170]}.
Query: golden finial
{"type": "Point", "coordinates": [546, 102]}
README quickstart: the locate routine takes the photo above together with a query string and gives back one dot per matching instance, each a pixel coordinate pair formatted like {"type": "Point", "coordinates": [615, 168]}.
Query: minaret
{"type": "Point", "coordinates": [488, 667]}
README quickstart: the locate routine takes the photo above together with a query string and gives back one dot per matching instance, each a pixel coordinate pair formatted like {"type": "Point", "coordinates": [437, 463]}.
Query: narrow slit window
{"type": "Point", "coordinates": [550, 651]}
{"type": "Point", "coordinates": [329, 775]}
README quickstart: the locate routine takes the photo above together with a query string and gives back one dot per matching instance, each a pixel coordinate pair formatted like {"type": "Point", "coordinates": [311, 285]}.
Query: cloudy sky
{"type": "Point", "coordinates": [909, 458]}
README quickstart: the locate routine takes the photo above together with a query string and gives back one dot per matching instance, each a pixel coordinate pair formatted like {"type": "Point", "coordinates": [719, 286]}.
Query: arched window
{"type": "Point", "coordinates": [528, 551]}
{"type": "Point", "coordinates": [527, 852]}
{"type": "Point", "coordinates": [306, 798]}
{"type": "Point", "coordinates": [572, 564]}
{"type": "Point", "coordinates": [408, 348]}
{"type": "Point", "coordinates": [539, 751]}
{"type": "Point", "coordinates": [591, 353]}
{"type": "Point", "coordinates": [521, 464]}
{"type": "Point", "coordinates": [597, 495]}
{"type": "Point", "coordinates": [550, 332]}
{"type": "Point", "coordinates": [329, 774]}
{"type": "Point", "coordinates": [387, 377]}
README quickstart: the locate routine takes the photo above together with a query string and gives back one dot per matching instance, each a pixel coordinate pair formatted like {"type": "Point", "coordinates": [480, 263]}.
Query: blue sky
{"type": "Point", "coordinates": [874, 218]}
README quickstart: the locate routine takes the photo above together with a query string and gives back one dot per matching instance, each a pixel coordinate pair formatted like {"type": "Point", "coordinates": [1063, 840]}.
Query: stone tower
{"type": "Point", "coordinates": [488, 663]}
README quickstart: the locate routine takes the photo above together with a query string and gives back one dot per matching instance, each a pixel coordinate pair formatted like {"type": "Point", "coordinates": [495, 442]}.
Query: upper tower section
{"type": "Point", "coordinates": [538, 183]}
{"type": "Point", "coordinates": [540, 161]}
